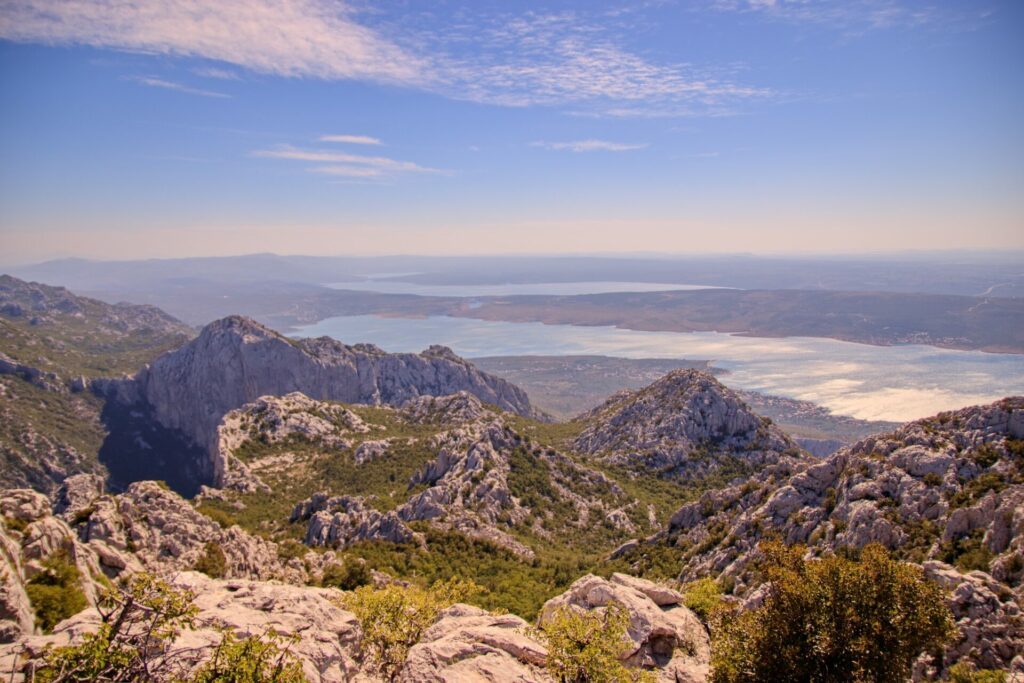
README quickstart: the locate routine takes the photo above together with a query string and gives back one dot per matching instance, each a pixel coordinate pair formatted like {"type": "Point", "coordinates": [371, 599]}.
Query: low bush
{"type": "Point", "coordinates": [834, 619]}
{"type": "Point", "coordinates": [703, 596]}
{"type": "Point", "coordinates": [588, 647]}
{"type": "Point", "coordinates": [255, 659]}
{"type": "Point", "coordinates": [56, 592]}
{"type": "Point", "coordinates": [348, 575]}
{"type": "Point", "coordinates": [393, 618]}
{"type": "Point", "coordinates": [213, 563]}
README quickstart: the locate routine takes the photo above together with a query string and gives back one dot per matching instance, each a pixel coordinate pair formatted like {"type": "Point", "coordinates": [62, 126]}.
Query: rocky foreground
{"type": "Point", "coordinates": [946, 492]}
{"type": "Point", "coordinates": [150, 528]}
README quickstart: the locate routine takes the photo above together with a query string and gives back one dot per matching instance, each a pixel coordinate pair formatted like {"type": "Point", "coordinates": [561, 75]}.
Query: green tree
{"type": "Point", "coordinates": [347, 576]}
{"type": "Point", "coordinates": [588, 647]}
{"type": "Point", "coordinates": [393, 618]}
{"type": "Point", "coordinates": [833, 619]}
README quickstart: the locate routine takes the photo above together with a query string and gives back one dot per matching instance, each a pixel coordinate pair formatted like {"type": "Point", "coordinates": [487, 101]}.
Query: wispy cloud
{"type": "Point", "coordinates": [589, 146]}
{"type": "Point", "coordinates": [314, 38]}
{"type": "Point", "coordinates": [566, 58]}
{"type": "Point", "coordinates": [348, 171]}
{"type": "Point", "coordinates": [218, 73]}
{"type": "Point", "coordinates": [154, 82]}
{"type": "Point", "coordinates": [350, 139]}
{"type": "Point", "coordinates": [508, 59]}
{"type": "Point", "coordinates": [857, 16]}
{"type": "Point", "coordinates": [344, 164]}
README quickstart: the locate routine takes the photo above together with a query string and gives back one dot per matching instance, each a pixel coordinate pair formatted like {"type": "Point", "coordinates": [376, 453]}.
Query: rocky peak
{"type": "Point", "coordinates": [235, 361]}
{"type": "Point", "coordinates": [664, 425]}
{"type": "Point", "coordinates": [440, 351]}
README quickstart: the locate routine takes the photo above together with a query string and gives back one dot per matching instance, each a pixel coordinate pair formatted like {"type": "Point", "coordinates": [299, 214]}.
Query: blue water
{"type": "Point", "coordinates": [870, 382]}
{"type": "Point", "coordinates": [551, 288]}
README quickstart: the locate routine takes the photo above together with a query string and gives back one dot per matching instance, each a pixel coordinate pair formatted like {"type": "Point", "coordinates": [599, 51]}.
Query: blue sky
{"type": "Point", "coordinates": [194, 128]}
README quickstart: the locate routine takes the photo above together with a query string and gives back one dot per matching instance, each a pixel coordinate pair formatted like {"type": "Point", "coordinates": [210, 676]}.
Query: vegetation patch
{"type": "Point", "coordinates": [56, 592]}
{"type": "Point", "coordinates": [868, 619]}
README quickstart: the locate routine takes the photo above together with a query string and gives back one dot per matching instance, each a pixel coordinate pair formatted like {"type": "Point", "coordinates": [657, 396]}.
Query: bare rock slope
{"type": "Point", "coordinates": [947, 492]}
{"type": "Point", "coordinates": [687, 423]}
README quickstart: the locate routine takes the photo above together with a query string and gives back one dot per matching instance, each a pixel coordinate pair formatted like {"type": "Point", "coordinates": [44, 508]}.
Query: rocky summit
{"type": "Point", "coordinates": [684, 424]}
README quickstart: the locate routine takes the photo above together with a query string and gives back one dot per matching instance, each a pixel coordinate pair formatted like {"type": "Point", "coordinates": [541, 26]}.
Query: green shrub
{"type": "Point", "coordinates": [256, 659]}
{"type": "Point", "coordinates": [963, 672]}
{"type": "Point", "coordinates": [56, 592]}
{"type": "Point", "coordinates": [702, 596]}
{"type": "Point", "coordinates": [967, 553]}
{"type": "Point", "coordinates": [393, 618]}
{"type": "Point", "coordinates": [15, 524]}
{"type": "Point", "coordinates": [212, 563]}
{"type": "Point", "coordinates": [932, 479]}
{"type": "Point", "coordinates": [863, 620]}
{"type": "Point", "coordinates": [588, 647]}
{"type": "Point", "coordinates": [138, 622]}
{"type": "Point", "coordinates": [347, 576]}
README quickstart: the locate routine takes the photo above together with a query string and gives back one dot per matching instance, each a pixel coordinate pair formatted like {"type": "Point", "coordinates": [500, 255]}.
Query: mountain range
{"type": "Point", "coordinates": [285, 457]}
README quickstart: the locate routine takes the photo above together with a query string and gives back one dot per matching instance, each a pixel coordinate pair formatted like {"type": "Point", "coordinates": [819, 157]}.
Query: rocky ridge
{"type": "Point", "coordinates": [684, 424]}
{"type": "Point", "coordinates": [42, 306]}
{"type": "Point", "coordinates": [944, 491]}
{"type": "Point", "coordinates": [235, 361]}
{"type": "Point", "coordinates": [471, 481]}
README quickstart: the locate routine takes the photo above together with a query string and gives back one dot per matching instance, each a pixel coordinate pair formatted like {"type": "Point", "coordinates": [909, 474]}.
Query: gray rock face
{"type": "Point", "coordinates": [456, 409]}
{"type": "Point", "coordinates": [681, 421]}
{"type": "Point", "coordinates": [342, 520]}
{"type": "Point", "coordinates": [469, 644]}
{"type": "Point", "coordinates": [947, 488]}
{"type": "Point", "coordinates": [988, 618]}
{"type": "Point", "coordinates": [235, 361]}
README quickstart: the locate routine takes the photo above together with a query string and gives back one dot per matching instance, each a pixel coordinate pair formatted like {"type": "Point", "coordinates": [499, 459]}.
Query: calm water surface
{"type": "Point", "coordinates": [550, 288]}
{"type": "Point", "coordinates": [869, 382]}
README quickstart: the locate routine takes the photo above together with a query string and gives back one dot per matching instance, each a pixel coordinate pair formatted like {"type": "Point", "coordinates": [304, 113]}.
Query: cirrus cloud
{"type": "Point", "coordinates": [512, 60]}
{"type": "Point", "coordinates": [589, 146]}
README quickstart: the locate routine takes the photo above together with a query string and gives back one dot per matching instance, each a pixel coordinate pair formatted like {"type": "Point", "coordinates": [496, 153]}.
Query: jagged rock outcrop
{"type": "Point", "coordinates": [275, 419]}
{"type": "Point", "coordinates": [684, 424]}
{"type": "Point", "coordinates": [468, 485]}
{"type": "Point", "coordinates": [145, 528]}
{"type": "Point", "coordinates": [338, 521]}
{"type": "Point", "coordinates": [235, 361]}
{"type": "Point", "coordinates": [667, 637]}
{"type": "Point", "coordinates": [947, 488]}
{"type": "Point", "coordinates": [475, 486]}
{"type": "Point", "coordinates": [457, 408]}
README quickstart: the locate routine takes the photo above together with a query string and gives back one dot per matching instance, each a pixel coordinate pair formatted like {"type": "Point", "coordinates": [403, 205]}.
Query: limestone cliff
{"type": "Point", "coordinates": [235, 361]}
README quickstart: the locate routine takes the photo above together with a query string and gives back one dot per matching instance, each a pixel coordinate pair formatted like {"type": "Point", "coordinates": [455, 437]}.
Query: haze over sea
{"type": "Point", "coordinates": [896, 383]}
